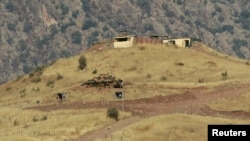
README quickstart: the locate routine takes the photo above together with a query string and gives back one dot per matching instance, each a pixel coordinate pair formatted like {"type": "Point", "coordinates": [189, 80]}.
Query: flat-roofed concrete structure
{"type": "Point", "coordinates": [179, 42]}
{"type": "Point", "coordinates": [124, 41]}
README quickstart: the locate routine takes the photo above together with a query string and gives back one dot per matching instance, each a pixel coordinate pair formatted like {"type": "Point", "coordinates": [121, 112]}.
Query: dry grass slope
{"type": "Point", "coordinates": [27, 125]}
{"type": "Point", "coordinates": [148, 69]}
{"type": "Point", "coordinates": [143, 64]}
{"type": "Point", "coordinates": [173, 127]}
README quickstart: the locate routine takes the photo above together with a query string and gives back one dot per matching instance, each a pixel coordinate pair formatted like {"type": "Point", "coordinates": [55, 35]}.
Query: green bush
{"type": "Point", "coordinates": [163, 78]}
{"type": "Point", "coordinates": [149, 76]}
{"type": "Point", "coordinates": [64, 8]}
{"type": "Point", "coordinates": [113, 113]}
{"type": "Point", "coordinates": [50, 82]}
{"type": "Point", "coordinates": [54, 30]}
{"type": "Point", "coordinates": [75, 14]}
{"type": "Point", "coordinates": [35, 119]}
{"type": "Point", "coordinates": [88, 24]}
{"type": "Point", "coordinates": [44, 118]}
{"type": "Point", "coordinates": [59, 76]}
{"type": "Point", "coordinates": [148, 27]}
{"type": "Point", "coordinates": [27, 26]}
{"type": "Point", "coordinates": [94, 71]}
{"type": "Point", "coordinates": [221, 19]}
{"type": "Point", "coordinates": [201, 80]}
{"type": "Point", "coordinates": [15, 123]}
{"type": "Point", "coordinates": [224, 75]}
{"type": "Point", "coordinates": [76, 37]}
{"type": "Point", "coordinates": [82, 62]}
{"type": "Point", "coordinates": [11, 26]}
{"type": "Point", "coordinates": [144, 5]}
{"type": "Point", "coordinates": [9, 6]}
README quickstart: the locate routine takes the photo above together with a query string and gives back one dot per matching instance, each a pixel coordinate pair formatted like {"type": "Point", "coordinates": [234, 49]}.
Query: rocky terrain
{"type": "Point", "coordinates": [38, 32]}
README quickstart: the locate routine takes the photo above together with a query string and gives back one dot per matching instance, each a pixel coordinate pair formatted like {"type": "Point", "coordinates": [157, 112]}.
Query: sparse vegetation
{"type": "Point", "coordinates": [76, 37]}
{"type": "Point", "coordinates": [44, 118]}
{"type": "Point", "coordinates": [75, 14]}
{"type": "Point", "coordinates": [168, 11]}
{"type": "Point", "coordinates": [35, 119]}
{"type": "Point", "coordinates": [9, 6]}
{"type": "Point", "coordinates": [11, 26]}
{"type": "Point", "coordinates": [94, 71]}
{"type": "Point", "coordinates": [8, 88]}
{"type": "Point", "coordinates": [36, 79]}
{"type": "Point", "coordinates": [145, 5]}
{"type": "Point", "coordinates": [35, 89]}
{"type": "Point", "coordinates": [50, 83]}
{"type": "Point", "coordinates": [163, 78]}
{"type": "Point", "coordinates": [88, 24]}
{"type": "Point", "coordinates": [224, 75]}
{"type": "Point", "coordinates": [148, 76]}
{"type": "Point", "coordinates": [113, 113]}
{"type": "Point", "coordinates": [19, 77]}
{"type": "Point", "coordinates": [27, 26]}
{"type": "Point", "coordinates": [59, 76]}
{"type": "Point", "coordinates": [15, 123]}
{"type": "Point", "coordinates": [82, 62]}
{"type": "Point", "coordinates": [64, 8]}
{"type": "Point", "coordinates": [179, 63]}
{"type": "Point", "coordinates": [148, 27]}
{"type": "Point", "coordinates": [201, 80]}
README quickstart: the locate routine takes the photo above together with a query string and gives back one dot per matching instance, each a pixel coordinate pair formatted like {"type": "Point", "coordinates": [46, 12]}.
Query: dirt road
{"type": "Point", "coordinates": [193, 101]}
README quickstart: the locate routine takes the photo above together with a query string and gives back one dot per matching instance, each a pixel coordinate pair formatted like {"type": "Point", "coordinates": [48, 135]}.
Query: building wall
{"type": "Point", "coordinates": [182, 42]}
{"type": "Point", "coordinates": [124, 44]}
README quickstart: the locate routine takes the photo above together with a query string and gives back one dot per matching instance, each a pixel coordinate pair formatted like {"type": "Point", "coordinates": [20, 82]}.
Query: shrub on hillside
{"type": "Point", "coordinates": [201, 80]}
{"type": "Point", "coordinates": [149, 76]}
{"type": "Point", "coordinates": [82, 62]}
{"type": "Point", "coordinates": [36, 79]}
{"type": "Point", "coordinates": [59, 76]}
{"type": "Point", "coordinates": [163, 78]}
{"type": "Point", "coordinates": [94, 71]}
{"type": "Point", "coordinates": [224, 75]}
{"type": "Point", "coordinates": [50, 82]}
{"type": "Point", "coordinates": [44, 118]}
{"type": "Point", "coordinates": [113, 113]}
{"type": "Point", "coordinates": [76, 37]}
{"type": "Point", "coordinates": [10, 7]}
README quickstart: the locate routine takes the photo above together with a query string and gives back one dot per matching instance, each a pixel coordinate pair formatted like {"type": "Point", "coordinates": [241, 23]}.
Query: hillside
{"type": "Point", "coordinates": [186, 86]}
{"type": "Point", "coordinates": [39, 32]}
{"type": "Point", "coordinates": [135, 66]}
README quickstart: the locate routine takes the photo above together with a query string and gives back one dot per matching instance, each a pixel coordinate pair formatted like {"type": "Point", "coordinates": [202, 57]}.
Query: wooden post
{"type": "Point", "coordinates": [191, 109]}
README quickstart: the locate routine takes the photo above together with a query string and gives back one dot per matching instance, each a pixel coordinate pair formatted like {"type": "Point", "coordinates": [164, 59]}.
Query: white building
{"type": "Point", "coordinates": [124, 42]}
{"type": "Point", "coordinates": [179, 42]}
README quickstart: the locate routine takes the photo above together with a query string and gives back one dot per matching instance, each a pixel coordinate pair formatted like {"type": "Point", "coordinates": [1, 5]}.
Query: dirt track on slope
{"type": "Point", "coordinates": [193, 101]}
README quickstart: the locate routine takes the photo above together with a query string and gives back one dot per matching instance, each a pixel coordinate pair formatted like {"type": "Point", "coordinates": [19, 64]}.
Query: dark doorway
{"type": "Point", "coordinates": [187, 43]}
{"type": "Point", "coordinates": [119, 95]}
{"type": "Point", "coordinates": [61, 96]}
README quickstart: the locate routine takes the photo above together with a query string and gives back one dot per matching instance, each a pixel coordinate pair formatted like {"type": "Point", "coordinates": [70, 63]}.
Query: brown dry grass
{"type": "Point", "coordinates": [240, 103]}
{"type": "Point", "coordinates": [133, 66]}
{"type": "Point", "coordinates": [28, 125]}
{"type": "Point", "coordinates": [176, 127]}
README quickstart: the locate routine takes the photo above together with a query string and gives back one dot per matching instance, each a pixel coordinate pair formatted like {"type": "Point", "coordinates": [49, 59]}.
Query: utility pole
{"type": "Point", "coordinates": [123, 96]}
